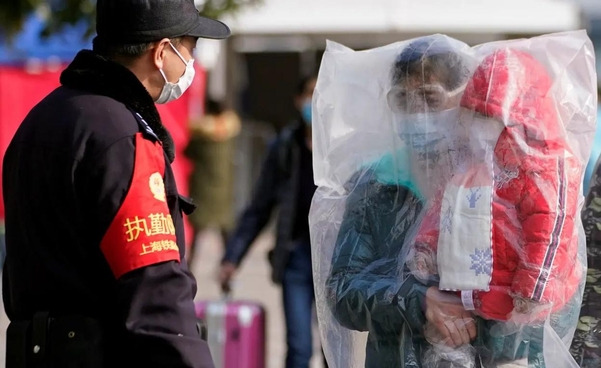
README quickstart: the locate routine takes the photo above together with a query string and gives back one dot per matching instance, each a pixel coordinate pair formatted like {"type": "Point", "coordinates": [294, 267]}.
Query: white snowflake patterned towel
{"type": "Point", "coordinates": [464, 254]}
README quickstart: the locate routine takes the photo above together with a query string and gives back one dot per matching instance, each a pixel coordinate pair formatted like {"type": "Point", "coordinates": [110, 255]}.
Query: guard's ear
{"type": "Point", "coordinates": [159, 51]}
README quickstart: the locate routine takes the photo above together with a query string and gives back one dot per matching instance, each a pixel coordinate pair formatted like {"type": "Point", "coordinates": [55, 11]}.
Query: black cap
{"type": "Point", "coordinates": [141, 21]}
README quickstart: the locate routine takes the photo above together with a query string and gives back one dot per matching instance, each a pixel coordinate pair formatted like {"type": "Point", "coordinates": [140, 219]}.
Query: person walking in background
{"type": "Point", "coordinates": [95, 273]}
{"type": "Point", "coordinates": [285, 182]}
{"type": "Point", "coordinates": [211, 149]}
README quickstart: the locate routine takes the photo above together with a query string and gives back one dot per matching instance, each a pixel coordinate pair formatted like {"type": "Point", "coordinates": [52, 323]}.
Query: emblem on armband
{"type": "Point", "coordinates": [157, 187]}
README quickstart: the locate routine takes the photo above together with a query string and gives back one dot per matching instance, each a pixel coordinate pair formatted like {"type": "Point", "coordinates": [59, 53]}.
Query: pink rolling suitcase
{"type": "Point", "coordinates": [235, 332]}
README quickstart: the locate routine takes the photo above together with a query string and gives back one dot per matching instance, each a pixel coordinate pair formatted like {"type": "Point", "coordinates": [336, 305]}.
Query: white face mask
{"type": "Point", "coordinates": [421, 130]}
{"type": "Point", "coordinates": [173, 91]}
{"type": "Point", "coordinates": [435, 143]}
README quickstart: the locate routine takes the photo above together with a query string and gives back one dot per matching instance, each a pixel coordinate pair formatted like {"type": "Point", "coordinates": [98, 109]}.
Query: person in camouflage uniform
{"type": "Point", "coordinates": [586, 345]}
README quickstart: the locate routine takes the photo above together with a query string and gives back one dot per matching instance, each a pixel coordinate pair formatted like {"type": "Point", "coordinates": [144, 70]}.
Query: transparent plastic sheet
{"type": "Point", "coordinates": [446, 221]}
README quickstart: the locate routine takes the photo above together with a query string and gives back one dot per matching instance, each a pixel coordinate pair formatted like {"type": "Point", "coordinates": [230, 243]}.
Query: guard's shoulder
{"type": "Point", "coordinates": [108, 120]}
{"type": "Point", "coordinates": [104, 117]}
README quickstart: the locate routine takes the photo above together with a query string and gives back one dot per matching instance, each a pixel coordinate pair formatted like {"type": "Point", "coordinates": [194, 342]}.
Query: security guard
{"type": "Point", "coordinates": [95, 273]}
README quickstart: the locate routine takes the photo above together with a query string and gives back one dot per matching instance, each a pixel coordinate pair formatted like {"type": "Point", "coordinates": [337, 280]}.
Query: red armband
{"type": "Point", "coordinates": [142, 233]}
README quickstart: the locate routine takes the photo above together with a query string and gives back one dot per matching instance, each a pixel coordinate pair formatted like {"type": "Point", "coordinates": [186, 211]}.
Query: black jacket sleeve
{"type": "Point", "coordinates": [155, 322]}
{"type": "Point", "coordinates": [257, 214]}
{"type": "Point", "coordinates": [366, 289]}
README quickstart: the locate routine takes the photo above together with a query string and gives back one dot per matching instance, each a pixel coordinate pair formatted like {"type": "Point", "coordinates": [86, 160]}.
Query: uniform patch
{"type": "Point", "coordinates": [142, 233]}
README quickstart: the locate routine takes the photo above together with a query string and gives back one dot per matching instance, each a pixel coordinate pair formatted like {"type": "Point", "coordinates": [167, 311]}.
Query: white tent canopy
{"type": "Point", "coordinates": [281, 17]}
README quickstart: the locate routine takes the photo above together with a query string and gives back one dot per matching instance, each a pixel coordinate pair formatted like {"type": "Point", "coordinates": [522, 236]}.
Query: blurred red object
{"type": "Point", "coordinates": [21, 90]}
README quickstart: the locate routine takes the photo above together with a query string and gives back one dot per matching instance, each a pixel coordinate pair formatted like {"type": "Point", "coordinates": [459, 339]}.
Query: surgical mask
{"type": "Point", "coordinates": [434, 139]}
{"type": "Point", "coordinates": [421, 130]}
{"type": "Point", "coordinates": [173, 91]}
{"type": "Point", "coordinates": [306, 112]}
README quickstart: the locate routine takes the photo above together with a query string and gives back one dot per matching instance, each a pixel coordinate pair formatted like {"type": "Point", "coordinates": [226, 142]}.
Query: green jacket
{"type": "Point", "coordinates": [211, 182]}
{"type": "Point", "coordinates": [368, 288]}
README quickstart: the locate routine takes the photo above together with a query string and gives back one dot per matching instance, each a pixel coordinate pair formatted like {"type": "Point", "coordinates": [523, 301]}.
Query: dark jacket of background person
{"type": "Point", "coordinates": [277, 185]}
{"type": "Point", "coordinates": [366, 288]}
{"type": "Point", "coordinates": [586, 345]}
{"type": "Point", "coordinates": [67, 172]}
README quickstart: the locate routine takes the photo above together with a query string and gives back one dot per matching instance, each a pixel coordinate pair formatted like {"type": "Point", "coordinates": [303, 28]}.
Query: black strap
{"type": "Point", "coordinates": [285, 151]}
{"type": "Point", "coordinates": [186, 204]}
{"type": "Point", "coordinates": [145, 127]}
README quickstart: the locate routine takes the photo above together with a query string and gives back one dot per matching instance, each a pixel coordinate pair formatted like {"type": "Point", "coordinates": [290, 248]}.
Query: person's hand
{"type": "Point", "coordinates": [226, 273]}
{"type": "Point", "coordinates": [445, 311]}
{"type": "Point", "coordinates": [422, 265]}
{"type": "Point", "coordinates": [432, 335]}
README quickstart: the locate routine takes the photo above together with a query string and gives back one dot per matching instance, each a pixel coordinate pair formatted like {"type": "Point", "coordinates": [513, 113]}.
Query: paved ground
{"type": "Point", "coordinates": [252, 283]}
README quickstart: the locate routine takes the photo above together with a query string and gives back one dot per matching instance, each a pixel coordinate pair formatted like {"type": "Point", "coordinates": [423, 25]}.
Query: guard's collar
{"type": "Point", "coordinates": [94, 73]}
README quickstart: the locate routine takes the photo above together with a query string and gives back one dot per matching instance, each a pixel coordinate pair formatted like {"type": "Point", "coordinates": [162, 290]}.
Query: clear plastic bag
{"type": "Point", "coordinates": [446, 221]}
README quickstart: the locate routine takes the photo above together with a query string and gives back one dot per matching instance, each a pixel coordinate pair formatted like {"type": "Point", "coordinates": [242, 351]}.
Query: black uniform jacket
{"type": "Point", "coordinates": [94, 220]}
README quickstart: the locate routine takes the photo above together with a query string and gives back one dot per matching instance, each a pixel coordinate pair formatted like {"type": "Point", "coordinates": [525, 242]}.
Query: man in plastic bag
{"type": "Point", "coordinates": [366, 286]}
